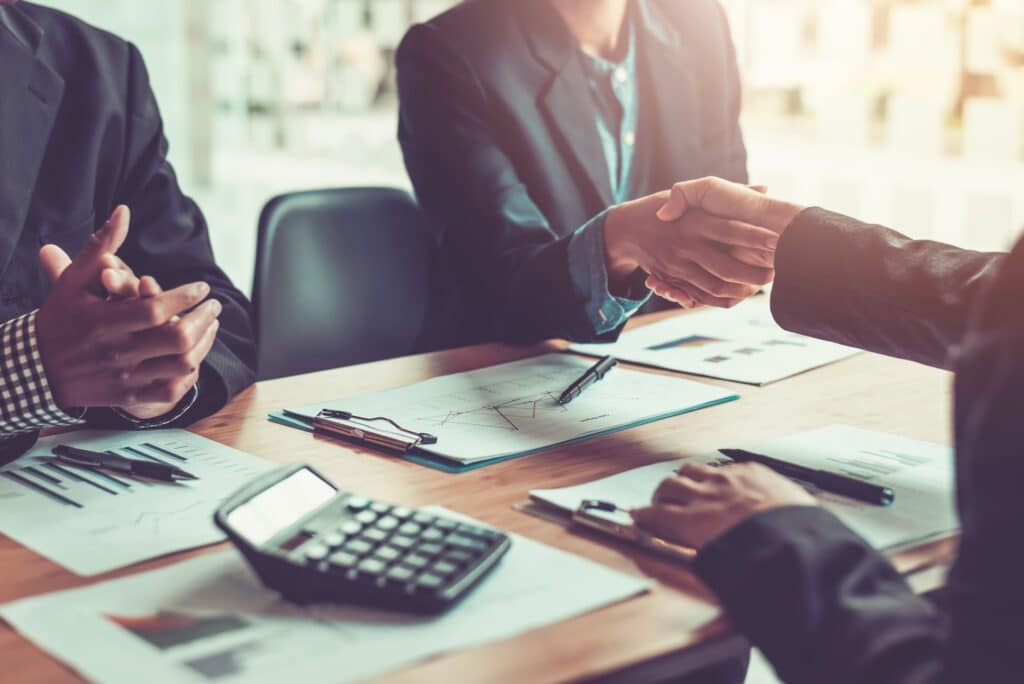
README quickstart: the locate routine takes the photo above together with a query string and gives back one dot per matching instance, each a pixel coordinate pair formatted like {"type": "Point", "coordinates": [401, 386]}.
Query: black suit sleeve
{"type": "Point", "coordinates": [870, 287]}
{"type": "Point", "coordinates": [169, 241]}
{"type": "Point", "coordinates": [466, 181]}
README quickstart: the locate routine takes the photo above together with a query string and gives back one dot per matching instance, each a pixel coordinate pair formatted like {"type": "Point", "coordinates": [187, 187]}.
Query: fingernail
{"type": "Point", "coordinates": [201, 290]}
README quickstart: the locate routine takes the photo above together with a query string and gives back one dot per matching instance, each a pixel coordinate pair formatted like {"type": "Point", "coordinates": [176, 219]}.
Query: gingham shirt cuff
{"type": "Point", "coordinates": [26, 402]}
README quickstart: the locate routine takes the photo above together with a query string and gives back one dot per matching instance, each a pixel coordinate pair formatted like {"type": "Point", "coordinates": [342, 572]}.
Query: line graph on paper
{"type": "Point", "coordinates": [506, 416]}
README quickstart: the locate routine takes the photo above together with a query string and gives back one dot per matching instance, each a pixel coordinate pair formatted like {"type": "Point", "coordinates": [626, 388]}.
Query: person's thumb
{"type": "Point", "coordinates": [87, 265]}
{"type": "Point", "coordinates": [53, 261]}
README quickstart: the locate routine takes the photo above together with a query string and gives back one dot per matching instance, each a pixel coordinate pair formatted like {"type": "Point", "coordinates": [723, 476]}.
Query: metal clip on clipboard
{"type": "Point", "coordinates": [589, 515]}
{"type": "Point", "coordinates": [360, 429]}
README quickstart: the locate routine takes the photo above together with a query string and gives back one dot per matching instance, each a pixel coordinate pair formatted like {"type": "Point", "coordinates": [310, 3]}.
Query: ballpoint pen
{"type": "Point", "coordinates": [879, 495]}
{"type": "Point", "coordinates": [153, 470]}
{"type": "Point", "coordinates": [592, 375]}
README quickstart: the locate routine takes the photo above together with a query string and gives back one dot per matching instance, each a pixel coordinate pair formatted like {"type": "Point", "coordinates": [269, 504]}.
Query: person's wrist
{"type": "Point", "coordinates": [618, 247]}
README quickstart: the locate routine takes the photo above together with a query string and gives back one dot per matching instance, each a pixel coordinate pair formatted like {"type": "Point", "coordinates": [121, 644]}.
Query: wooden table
{"type": "Point", "coordinates": [641, 639]}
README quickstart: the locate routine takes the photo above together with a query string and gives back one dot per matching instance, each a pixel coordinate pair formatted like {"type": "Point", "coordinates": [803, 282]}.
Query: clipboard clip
{"type": "Point", "coordinates": [346, 424]}
{"type": "Point", "coordinates": [594, 514]}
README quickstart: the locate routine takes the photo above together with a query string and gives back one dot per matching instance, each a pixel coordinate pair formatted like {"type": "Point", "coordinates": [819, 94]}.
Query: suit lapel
{"type": "Point", "coordinates": [565, 99]}
{"type": "Point", "coordinates": [30, 95]}
{"type": "Point", "coordinates": [668, 141]}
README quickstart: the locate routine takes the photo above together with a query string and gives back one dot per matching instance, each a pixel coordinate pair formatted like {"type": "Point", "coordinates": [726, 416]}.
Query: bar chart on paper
{"type": "Point", "coordinates": [743, 344]}
{"type": "Point", "coordinates": [92, 521]}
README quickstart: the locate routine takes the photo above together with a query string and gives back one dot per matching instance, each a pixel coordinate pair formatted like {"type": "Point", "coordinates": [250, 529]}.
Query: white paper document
{"type": "Point", "coordinates": [742, 344]}
{"type": "Point", "coordinates": [512, 409]}
{"type": "Point", "coordinates": [209, 620]}
{"type": "Point", "coordinates": [920, 474]}
{"type": "Point", "coordinates": [92, 521]}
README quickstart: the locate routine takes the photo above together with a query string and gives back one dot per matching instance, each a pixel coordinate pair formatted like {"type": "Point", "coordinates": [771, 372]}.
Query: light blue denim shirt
{"type": "Point", "coordinates": [613, 87]}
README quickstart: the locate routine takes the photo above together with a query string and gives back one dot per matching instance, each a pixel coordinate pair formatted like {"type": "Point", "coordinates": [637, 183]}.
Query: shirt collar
{"type": "Point", "coordinates": [598, 66]}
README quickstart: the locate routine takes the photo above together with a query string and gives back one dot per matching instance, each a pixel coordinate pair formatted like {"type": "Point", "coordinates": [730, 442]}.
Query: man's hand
{"type": "Point", "coordinates": [107, 338]}
{"type": "Point", "coordinates": [701, 503]}
{"type": "Point", "coordinates": [725, 200]}
{"type": "Point", "coordinates": [694, 247]}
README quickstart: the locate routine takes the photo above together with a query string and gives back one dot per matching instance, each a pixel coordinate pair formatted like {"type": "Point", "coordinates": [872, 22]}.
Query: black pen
{"type": "Point", "coordinates": [153, 470]}
{"type": "Point", "coordinates": [879, 495]}
{"type": "Point", "coordinates": [594, 374]}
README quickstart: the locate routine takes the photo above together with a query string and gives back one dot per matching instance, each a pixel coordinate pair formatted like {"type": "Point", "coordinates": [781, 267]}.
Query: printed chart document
{"type": "Point", "coordinates": [920, 474]}
{"type": "Point", "coordinates": [742, 344]}
{"type": "Point", "coordinates": [92, 521]}
{"type": "Point", "coordinates": [512, 409]}
{"type": "Point", "coordinates": [210, 620]}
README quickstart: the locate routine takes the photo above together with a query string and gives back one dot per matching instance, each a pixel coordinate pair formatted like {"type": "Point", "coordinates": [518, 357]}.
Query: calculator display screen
{"type": "Point", "coordinates": [274, 509]}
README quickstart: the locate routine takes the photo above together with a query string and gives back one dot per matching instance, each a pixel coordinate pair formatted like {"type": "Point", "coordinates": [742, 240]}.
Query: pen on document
{"type": "Point", "coordinates": [594, 374]}
{"type": "Point", "coordinates": [154, 470]}
{"type": "Point", "coordinates": [880, 495]}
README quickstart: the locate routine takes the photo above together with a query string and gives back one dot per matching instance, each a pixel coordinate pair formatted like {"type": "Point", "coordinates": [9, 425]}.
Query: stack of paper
{"type": "Point", "coordinates": [920, 474]}
{"type": "Point", "coordinates": [743, 344]}
{"type": "Point", "coordinates": [209, 620]}
{"type": "Point", "coordinates": [92, 521]}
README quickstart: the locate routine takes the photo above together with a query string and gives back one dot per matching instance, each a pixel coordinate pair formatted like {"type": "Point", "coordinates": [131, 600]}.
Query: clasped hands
{"type": "Point", "coordinates": [109, 338]}
{"type": "Point", "coordinates": [705, 241]}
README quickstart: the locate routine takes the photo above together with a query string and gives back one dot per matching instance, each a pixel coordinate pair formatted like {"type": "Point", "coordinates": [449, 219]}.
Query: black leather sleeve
{"type": "Point", "coordinates": [466, 182]}
{"type": "Point", "coordinates": [169, 241]}
{"type": "Point", "coordinates": [870, 287]}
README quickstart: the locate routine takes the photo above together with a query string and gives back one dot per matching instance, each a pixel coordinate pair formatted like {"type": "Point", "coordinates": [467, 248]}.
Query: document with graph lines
{"type": "Point", "coordinates": [512, 409]}
{"type": "Point", "coordinates": [92, 521]}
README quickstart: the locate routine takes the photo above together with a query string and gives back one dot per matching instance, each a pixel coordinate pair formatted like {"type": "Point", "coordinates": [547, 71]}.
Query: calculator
{"type": "Point", "coordinates": [312, 542]}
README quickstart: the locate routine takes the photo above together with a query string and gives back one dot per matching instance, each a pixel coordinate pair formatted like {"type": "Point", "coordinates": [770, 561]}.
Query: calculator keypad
{"type": "Point", "coordinates": [395, 547]}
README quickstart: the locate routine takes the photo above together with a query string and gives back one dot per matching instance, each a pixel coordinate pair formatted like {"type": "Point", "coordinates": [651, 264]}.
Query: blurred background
{"type": "Point", "coordinates": [906, 112]}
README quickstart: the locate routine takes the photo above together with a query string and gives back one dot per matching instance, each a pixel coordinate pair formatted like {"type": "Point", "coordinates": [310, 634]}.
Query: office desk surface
{"type": "Point", "coordinates": [667, 628]}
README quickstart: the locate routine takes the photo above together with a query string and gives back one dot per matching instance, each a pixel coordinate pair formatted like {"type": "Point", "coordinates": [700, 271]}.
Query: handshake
{"type": "Point", "coordinates": [705, 241]}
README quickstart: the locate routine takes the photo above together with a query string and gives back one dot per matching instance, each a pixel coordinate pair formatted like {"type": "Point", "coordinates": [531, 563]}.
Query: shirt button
{"type": "Point", "coordinates": [629, 138]}
{"type": "Point", "coordinates": [620, 75]}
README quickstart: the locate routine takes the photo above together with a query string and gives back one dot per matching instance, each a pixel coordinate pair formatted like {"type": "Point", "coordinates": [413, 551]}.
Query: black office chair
{"type": "Point", "coordinates": [342, 277]}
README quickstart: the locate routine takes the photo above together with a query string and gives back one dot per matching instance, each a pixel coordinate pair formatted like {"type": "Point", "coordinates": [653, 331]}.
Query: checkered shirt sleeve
{"type": "Point", "coordinates": [26, 402]}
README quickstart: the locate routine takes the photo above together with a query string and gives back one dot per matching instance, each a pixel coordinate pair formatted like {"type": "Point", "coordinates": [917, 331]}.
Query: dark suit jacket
{"type": "Point", "coordinates": [500, 141]}
{"type": "Point", "coordinates": [822, 605]}
{"type": "Point", "coordinates": [80, 133]}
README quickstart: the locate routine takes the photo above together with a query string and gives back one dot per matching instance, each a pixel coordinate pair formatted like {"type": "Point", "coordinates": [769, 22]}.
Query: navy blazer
{"type": "Point", "coordinates": [80, 133]}
{"type": "Point", "coordinates": [498, 130]}
{"type": "Point", "coordinates": [823, 605]}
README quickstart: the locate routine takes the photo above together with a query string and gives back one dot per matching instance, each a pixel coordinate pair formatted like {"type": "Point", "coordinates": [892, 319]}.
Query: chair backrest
{"type": "Point", "coordinates": [342, 277]}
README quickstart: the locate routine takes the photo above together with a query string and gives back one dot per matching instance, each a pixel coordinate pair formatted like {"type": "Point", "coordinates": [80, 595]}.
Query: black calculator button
{"type": "Point", "coordinates": [423, 518]}
{"type": "Point", "coordinates": [334, 539]}
{"type": "Point", "coordinates": [458, 557]}
{"type": "Point", "coordinates": [430, 549]}
{"type": "Point", "coordinates": [357, 503]}
{"type": "Point", "coordinates": [366, 517]}
{"type": "Point", "coordinates": [444, 568]}
{"type": "Point", "coordinates": [400, 574]}
{"type": "Point", "coordinates": [446, 525]}
{"type": "Point", "coordinates": [401, 512]}
{"type": "Point", "coordinates": [350, 527]}
{"type": "Point", "coordinates": [432, 535]}
{"type": "Point", "coordinates": [375, 535]}
{"type": "Point", "coordinates": [415, 561]}
{"type": "Point", "coordinates": [410, 528]}
{"type": "Point", "coordinates": [343, 560]}
{"type": "Point", "coordinates": [429, 581]}
{"type": "Point", "coordinates": [371, 566]}
{"type": "Point", "coordinates": [476, 532]}
{"type": "Point", "coordinates": [316, 552]}
{"type": "Point", "coordinates": [387, 553]}
{"type": "Point", "coordinates": [358, 547]}
{"type": "Point", "coordinates": [379, 507]}
{"type": "Point", "coordinates": [402, 542]}
{"type": "Point", "coordinates": [461, 541]}
{"type": "Point", "coordinates": [388, 522]}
